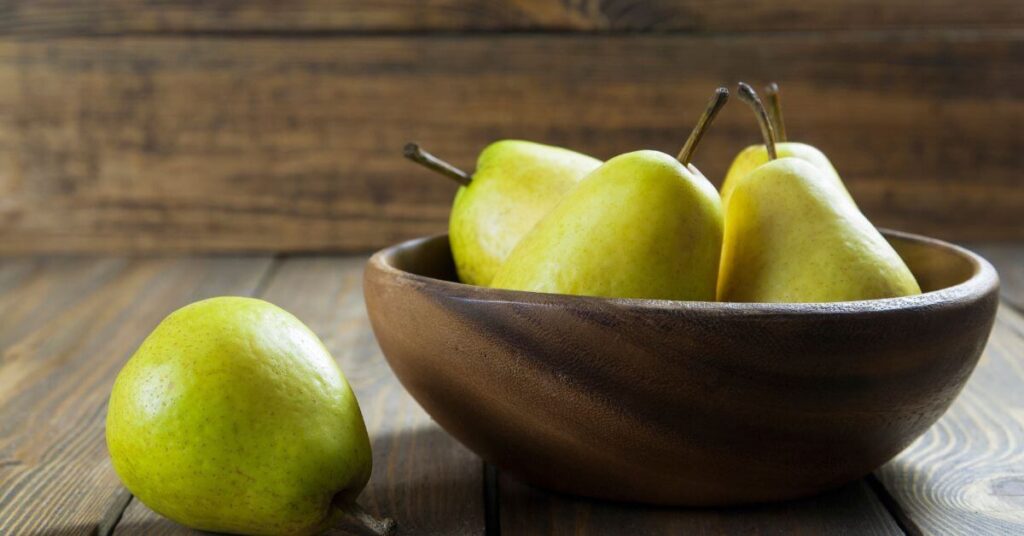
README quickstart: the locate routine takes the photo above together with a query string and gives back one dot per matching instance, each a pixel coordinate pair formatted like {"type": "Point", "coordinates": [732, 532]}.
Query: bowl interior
{"type": "Point", "coordinates": [936, 265]}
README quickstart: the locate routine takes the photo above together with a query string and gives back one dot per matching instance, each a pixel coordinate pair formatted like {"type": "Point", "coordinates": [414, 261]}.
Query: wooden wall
{"type": "Point", "coordinates": [133, 125]}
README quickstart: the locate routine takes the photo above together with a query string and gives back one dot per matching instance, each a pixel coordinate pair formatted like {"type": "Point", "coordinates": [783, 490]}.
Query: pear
{"type": "Point", "coordinates": [515, 184]}
{"type": "Point", "coordinates": [233, 417]}
{"type": "Point", "coordinates": [756, 155]}
{"type": "Point", "coordinates": [792, 235]}
{"type": "Point", "coordinates": [643, 225]}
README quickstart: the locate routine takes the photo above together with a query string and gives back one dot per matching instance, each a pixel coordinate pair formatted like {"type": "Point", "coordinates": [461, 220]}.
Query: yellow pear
{"type": "Point", "coordinates": [643, 225]}
{"type": "Point", "coordinates": [791, 235]}
{"type": "Point", "coordinates": [233, 417]}
{"type": "Point", "coordinates": [756, 155]}
{"type": "Point", "coordinates": [515, 184]}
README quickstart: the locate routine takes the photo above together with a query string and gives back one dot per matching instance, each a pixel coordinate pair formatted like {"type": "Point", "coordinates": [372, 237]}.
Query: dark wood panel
{"type": "Point", "coordinates": [120, 16]}
{"type": "Point", "coordinates": [151, 144]}
{"type": "Point", "coordinates": [966, 474]}
{"type": "Point", "coordinates": [66, 331]}
{"type": "Point", "coordinates": [851, 510]}
{"type": "Point", "coordinates": [422, 477]}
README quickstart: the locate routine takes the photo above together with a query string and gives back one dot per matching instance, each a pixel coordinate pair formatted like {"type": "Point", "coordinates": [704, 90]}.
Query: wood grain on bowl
{"type": "Point", "coordinates": [681, 402]}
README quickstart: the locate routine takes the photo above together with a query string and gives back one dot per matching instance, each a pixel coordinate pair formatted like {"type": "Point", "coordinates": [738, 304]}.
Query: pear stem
{"type": "Point", "coordinates": [775, 108]}
{"type": "Point", "coordinates": [413, 152]}
{"type": "Point", "coordinates": [749, 96]}
{"type": "Point", "coordinates": [352, 516]}
{"type": "Point", "coordinates": [715, 105]}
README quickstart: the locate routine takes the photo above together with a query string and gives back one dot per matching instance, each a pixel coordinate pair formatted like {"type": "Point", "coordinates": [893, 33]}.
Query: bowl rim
{"type": "Point", "coordinates": [983, 281]}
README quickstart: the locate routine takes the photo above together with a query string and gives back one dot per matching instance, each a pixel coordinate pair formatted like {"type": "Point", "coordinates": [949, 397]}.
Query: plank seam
{"type": "Point", "coordinates": [114, 512]}
{"type": "Point", "coordinates": [268, 275]}
{"type": "Point", "coordinates": [892, 506]}
{"type": "Point", "coordinates": [1011, 31]}
{"type": "Point", "coordinates": [492, 500]}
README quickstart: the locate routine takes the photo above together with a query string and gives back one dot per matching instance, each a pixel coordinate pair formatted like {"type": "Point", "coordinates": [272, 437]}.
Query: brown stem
{"type": "Point", "coordinates": [775, 109]}
{"type": "Point", "coordinates": [413, 152]}
{"type": "Point", "coordinates": [749, 96]}
{"type": "Point", "coordinates": [716, 103]}
{"type": "Point", "coordinates": [351, 516]}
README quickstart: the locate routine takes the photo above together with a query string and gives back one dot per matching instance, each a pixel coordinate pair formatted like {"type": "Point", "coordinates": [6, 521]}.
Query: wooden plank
{"type": "Point", "coordinates": [13, 272]}
{"type": "Point", "coordinates": [35, 17]}
{"type": "Point", "coordinates": [45, 287]}
{"type": "Point", "coordinates": [853, 509]}
{"type": "Point", "coordinates": [422, 477]}
{"type": "Point", "coordinates": [152, 144]}
{"type": "Point", "coordinates": [1008, 259]}
{"type": "Point", "coordinates": [965, 476]}
{"type": "Point", "coordinates": [58, 359]}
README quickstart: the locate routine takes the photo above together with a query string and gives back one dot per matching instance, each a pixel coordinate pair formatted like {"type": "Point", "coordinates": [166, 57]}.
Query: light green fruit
{"type": "Point", "coordinates": [792, 236]}
{"type": "Point", "coordinates": [515, 184]}
{"type": "Point", "coordinates": [642, 225]}
{"type": "Point", "coordinates": [755, 156]}
{"type": "Point", "coordinates": [233, 417]}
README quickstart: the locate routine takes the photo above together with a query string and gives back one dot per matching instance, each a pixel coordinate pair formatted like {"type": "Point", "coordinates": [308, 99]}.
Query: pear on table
{"type": "Point", "coordinates": [233, 417]}
{"type": "Point", "coordinates": [756, 155]}
{"type": "Point", "coordinates": [515, 184]}
{"type": "Point", "coordinates": [643, 225]}
{"type": "Point", "coordinates": [792, 235]}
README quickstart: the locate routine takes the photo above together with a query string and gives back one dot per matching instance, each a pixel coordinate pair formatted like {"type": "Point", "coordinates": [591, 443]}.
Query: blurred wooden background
{"type": "Point", "coordinates": [176, 125]}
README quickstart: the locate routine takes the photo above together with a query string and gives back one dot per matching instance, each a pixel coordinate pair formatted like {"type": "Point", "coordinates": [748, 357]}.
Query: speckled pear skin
{"type": "Point", "coordinates": [233, 417]}
{"type": "Point", "coordinates": [640, 226]}
{"type": "Point", "coordinates": [685, 403]}
{"type": "Point", "coordinates": [793, 237]}
{"type": "Point", "coordinates": [514, 185]}
{"type": "Point", "coordinates": [754, 156]}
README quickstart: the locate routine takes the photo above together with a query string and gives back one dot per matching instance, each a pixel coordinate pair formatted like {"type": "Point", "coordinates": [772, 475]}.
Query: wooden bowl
{"type": "Point", "coordinates": [688, 403]}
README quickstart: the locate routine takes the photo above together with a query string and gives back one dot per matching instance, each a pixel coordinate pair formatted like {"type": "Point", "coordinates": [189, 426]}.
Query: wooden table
{"type": "Point", "coordinates": [67, 325]}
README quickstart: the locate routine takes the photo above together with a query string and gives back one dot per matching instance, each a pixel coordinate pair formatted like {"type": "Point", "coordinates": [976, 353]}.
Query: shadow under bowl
{"type": "Point", "coordinates": [684, 403]}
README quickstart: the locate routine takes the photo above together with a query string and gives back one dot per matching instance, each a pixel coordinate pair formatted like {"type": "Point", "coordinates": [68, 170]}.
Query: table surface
{"type": "Point", "coordinates": [68, 324]}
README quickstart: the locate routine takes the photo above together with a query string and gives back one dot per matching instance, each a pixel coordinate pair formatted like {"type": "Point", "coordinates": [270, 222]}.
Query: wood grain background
{"type": "Point", "coordinates": [130, 125]}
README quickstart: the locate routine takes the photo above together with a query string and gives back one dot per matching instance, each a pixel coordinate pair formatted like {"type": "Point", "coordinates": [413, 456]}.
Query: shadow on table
{"type": "Point", "coordinates": [426, 481]}
{"type": "Point", "coordinates": [852, 508]}
{"type": "Point", "coordinates": [70, 530]}
{"type": "Point", "coordinates": [422, 479]}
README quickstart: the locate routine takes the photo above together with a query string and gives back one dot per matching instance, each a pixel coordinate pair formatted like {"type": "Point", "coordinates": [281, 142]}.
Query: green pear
{"type": "Point", "coordinates": [643, 225]}
{"type": "Point", "coordinates": [515, 184]}
{"type": "Point", "coordinates": [233, 417]}
{"type": "Point", "coordinates": [754, 156]}
{"type": "Point", "coordinates": [791, 235]}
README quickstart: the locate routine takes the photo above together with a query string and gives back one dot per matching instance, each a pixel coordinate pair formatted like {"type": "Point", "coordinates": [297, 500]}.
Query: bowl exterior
{"type": "Point", "coordinates": [673, 402]}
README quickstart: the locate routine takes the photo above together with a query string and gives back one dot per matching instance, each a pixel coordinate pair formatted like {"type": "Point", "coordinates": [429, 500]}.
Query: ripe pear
{"type": "Point", "coordinates": [515, 184]}
{"type": "Point", "coordinates": [754, 156]}
{"type": "Point", "coordinates": [233, 417]}
{"type": "Point", "coordinates": [643, 225]}
{"type": "Point", "coordinates": [791, 235]}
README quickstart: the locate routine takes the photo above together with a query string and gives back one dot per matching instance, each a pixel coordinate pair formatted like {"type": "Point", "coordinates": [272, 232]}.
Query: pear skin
{"type": "Point", "coordinates": [515, 184]}
{"type": "Point", "coordinates": [642, 225]}
{"type": "Point", "coordinates": [233, 417]}
{"type": "Point", "coordinates": [791, 235]}
{"type": "Point", "coordinates": [754, 156]}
